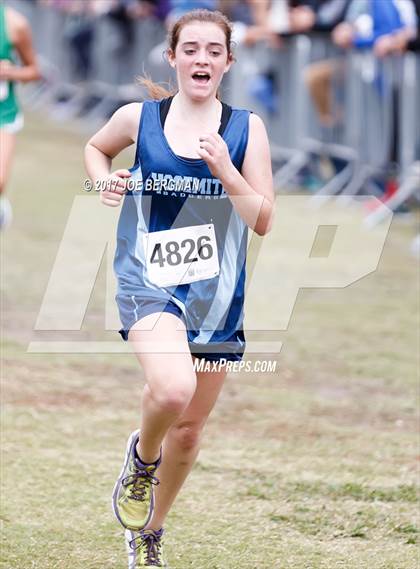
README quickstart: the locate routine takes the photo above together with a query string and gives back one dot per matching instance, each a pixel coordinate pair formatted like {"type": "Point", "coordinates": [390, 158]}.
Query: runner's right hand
{"type": "Point", "coordinates": [113, 187]}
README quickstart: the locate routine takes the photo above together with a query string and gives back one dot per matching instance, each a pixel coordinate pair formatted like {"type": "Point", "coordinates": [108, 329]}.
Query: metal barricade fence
{"type": "Point", "coordinates": [116, 60]}
{"type": "Point", "coordinates": [368, 120]}
{"type": "Point", "coordinates": [363, 140]}
{"type": "Point", "coordinates": [117, 64]}
{"type": "Point", "coordinates": [288, 125]}
{"type": "Point", "coordinates": [249, 61]}
{"type": "Point", "coordinates": [296, 131]}
{"type": "Point", "coordinates": [410, 112]}
{"type": "Point", "coordinates": [409, 139]}
{"type": "Point", "coordinates": [369, 128]}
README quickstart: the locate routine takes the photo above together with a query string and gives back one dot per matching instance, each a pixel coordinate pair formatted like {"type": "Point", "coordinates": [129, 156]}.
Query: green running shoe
{"type": "Point", "coordinates": [144, 549]}
{"type": "Point", "coordinates": [133, 496]}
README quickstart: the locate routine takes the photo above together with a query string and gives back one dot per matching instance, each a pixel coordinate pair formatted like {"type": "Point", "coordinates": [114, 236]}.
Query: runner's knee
{"type": "Point", "coordinates": [187, 435]}
{"type": "Point", "coordinates": [173, 398]}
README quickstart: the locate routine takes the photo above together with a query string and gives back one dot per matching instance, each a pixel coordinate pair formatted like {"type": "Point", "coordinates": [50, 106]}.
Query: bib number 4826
{"type": "Point", "coordinates": [181, 256]}
{"type": "Point", "coordinates": [188, 251]}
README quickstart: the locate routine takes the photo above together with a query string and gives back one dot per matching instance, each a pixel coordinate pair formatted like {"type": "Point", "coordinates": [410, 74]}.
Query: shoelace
{"type": "Point", "coordinates": [153, 547]}
{"type": "Point", "coordinates": [140, 480]}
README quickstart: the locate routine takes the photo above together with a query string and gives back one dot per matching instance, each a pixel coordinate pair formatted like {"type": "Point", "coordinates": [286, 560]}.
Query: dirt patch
{"type": "Point", "coordinates": [66, 399]}
{"type": "Point", "coordinates": [39, 384]}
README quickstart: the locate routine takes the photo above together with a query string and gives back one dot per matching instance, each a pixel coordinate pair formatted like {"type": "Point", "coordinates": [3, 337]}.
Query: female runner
{"type": "Point", "coordinates": [202, 175]}
{"type": "Point", "coordinates": [15, 35]}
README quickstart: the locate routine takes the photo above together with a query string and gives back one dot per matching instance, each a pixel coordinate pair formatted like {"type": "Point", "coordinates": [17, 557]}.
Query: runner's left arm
{"type": "Point", "coordinates": [251, 191]}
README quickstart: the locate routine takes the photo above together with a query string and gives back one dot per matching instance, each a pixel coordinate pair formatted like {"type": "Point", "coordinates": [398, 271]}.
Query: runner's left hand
{"type": "Point", "coordinates": [214, 151]}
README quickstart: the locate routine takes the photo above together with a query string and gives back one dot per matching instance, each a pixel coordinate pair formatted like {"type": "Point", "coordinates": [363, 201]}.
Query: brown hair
{"type": "Point", "coordinates": [158, 91]}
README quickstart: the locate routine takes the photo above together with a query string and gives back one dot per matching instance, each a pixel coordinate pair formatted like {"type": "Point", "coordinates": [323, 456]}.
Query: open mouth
{"type": "Point", "coordinates": [201, 77]}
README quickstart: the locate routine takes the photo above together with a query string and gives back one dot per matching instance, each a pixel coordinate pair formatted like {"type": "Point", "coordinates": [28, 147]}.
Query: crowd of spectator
{"type": "Point", "coordinates": [386, 27]}
{"type": "Point", "coordinates": [381, 27]}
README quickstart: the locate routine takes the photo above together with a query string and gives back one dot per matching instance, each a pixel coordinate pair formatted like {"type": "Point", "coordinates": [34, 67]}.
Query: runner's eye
{"type": "Point", "coordinates": [215, 53]}
{"type": "Point", "coordinates": [189, 51]}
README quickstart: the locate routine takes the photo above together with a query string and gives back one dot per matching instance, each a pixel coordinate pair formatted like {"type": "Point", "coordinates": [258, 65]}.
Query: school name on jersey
{"type": "Point", "coordinates": [183, 186]}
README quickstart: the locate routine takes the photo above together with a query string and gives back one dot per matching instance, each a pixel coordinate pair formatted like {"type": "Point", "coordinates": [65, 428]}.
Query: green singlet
{"type": "Point", "coordinates": [9, 109]}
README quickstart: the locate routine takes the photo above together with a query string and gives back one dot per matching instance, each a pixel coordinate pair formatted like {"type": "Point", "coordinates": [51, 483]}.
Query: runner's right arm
{"type": "Point", "coordinates": [118, 133]}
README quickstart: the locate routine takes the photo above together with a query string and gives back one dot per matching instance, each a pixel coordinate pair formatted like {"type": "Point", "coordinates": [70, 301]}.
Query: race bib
{"type": "Point", "coordinates": [181, 256]}
{"type": "Point", "coordinates": [4, 90]}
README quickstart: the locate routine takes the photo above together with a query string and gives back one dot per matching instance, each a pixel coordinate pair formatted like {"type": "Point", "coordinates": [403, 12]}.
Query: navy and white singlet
{"type": "Point", "coordinates": [170, 192]}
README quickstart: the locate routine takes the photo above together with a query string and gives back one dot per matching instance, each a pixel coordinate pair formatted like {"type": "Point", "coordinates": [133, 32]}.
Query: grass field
{"type": "Point", "coordinates": [312, 467]}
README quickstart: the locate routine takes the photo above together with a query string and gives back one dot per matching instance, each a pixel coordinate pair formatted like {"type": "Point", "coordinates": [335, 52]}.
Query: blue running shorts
{"type": "Point", "coordinates": [134, 308]}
